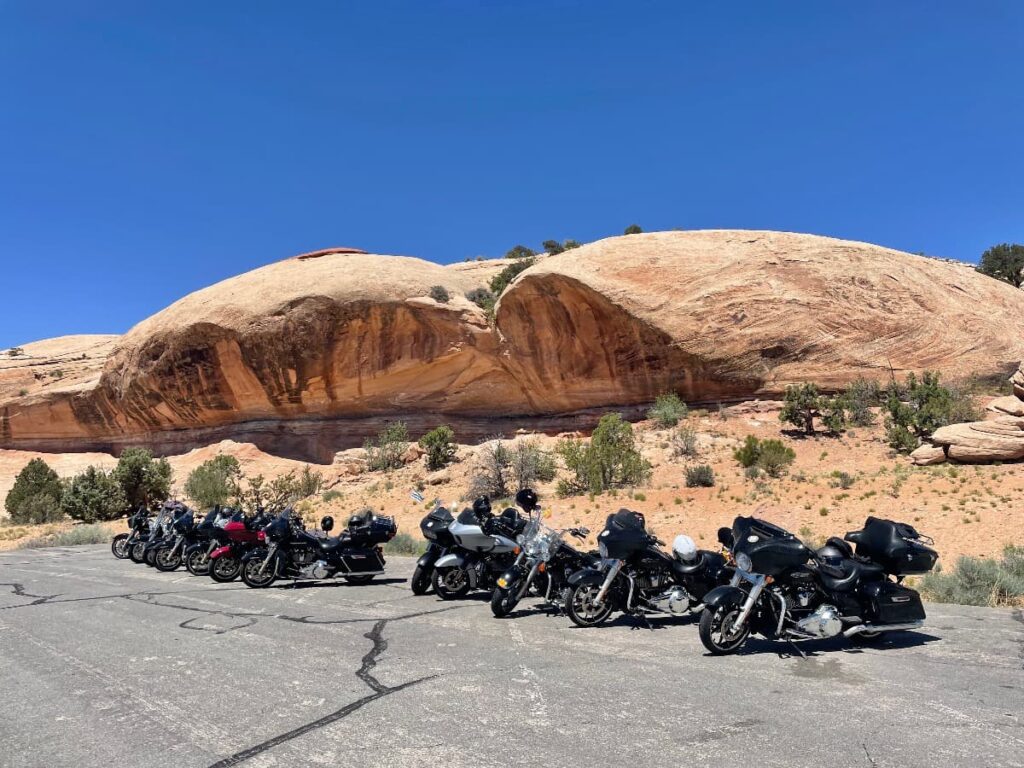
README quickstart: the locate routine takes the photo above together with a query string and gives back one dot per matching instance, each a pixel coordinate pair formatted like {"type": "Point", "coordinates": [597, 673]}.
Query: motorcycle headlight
{"type": "Point", "coordinates": [502, 582]}
{"type": "Point", "coordinates": [744, 563]}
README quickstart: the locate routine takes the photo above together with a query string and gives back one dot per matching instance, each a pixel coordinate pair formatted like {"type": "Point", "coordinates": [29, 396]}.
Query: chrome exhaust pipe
{"type": "Point", "coordinates": [881, 628]}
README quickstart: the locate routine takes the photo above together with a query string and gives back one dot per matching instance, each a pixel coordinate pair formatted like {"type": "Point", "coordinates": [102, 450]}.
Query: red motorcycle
{"type": "Point", "coordinates": [242, 534]}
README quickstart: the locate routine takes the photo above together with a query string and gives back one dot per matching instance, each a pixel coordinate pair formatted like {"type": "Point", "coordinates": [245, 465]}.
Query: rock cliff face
{"type": "Point", "coordinates": [311, 354]}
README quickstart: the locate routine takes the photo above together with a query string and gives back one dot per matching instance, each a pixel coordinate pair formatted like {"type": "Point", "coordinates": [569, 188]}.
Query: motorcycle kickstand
{"type": "Point", "coordinates": [796, 647]}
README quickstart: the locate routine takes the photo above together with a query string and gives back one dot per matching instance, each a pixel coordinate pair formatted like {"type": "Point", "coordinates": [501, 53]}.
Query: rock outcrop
{"type": "Point", "coordinates": [1000, 438]}
{"type": "Point", "coordinates": [310, 355]}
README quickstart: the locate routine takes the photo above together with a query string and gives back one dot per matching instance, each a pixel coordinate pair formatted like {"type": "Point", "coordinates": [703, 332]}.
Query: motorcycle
{"type": "Point", "coordinates": [138, 528]}
{"type": "Point", "coordinates": [544, 560]}
{"type": "Point", "coordinates": [209, 535]}
{"type": "Point", "coordinates": [293, 553]}
{"type": "Point", "coordinates": [484, 550]}
{"type": "Point", "coordinates": [785, 591]}
{"type": "Point", "coordinates": [242, 534]}
{"type": "Point", "coordinates": [434, 527]}
{"type": "Point", "coordinates": [636, 577]}
{"type": "Point", "coordinates": [142, 550]}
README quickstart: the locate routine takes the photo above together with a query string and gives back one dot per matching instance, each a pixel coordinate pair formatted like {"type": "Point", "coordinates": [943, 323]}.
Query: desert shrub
{"type": "Point", "coordinates": [570, 244]}
{"type": "Point", "coordinates": [384, 452]}
{"type": "Point", "coordinates": [833, 415]}
{"type": "Point", "coordinates": [842, 480]}
{"type": "Point", "coordinates": [632, 229]}
{"type": "Point", "coordinates": [520, 252]}
{"type": "Point", "coordinates": [439, 443]}
{"type": "Point", "coordinates": [1004, 262]}
{"type": "Point", "coordinates": [608, 460]}
{"type": "Point", "coordinates": [667, 410]}
{"type": "Point", "coordinates": [213, 482]}
{"type": "Point", "coordinates": [146, 481]}
{"type": "Point", "coordinates": [73, 537]}
{"type": "Point", "coordinates": [41, 508]}
{"type": "Point", "coordinates": [803, 404]}
{"type": "Point", "coordinates": [493, 473]}
{"type": "Point", "coordinates": [308, 482]}
{"type": "Point", "coordinates": [94, 495]}
{"type": "Point", "coordinates": [22, 392]}
{"type": "Point", "coordinates": [257, 494]}
{"type": "Point", "coordinates": [684, 442]}
{"type": "Point", "coordinates": [700, 476]}
{"type": "Point", "coordinates": [405, 544]}
{"type": "Point", "coordinates": [15, 352]}
{"type": "Point", "coordinates": [530, 464]}
{"type": "Point", "coordinates": [440, 294]}
{"type": "Point", "coordinates": [770, 456]}
{"type": "Point", "coordinates": [859, 398]}
{"type": "Point", "coordinates": [332, 495]}
{"type": "Point", "coordinates": [919, 407]}
{"type": "Point", "coordinates": [36, 481]}
{"type": "Point", "coordinates": [481, 297]}
{"type": "Point", "coordinates": [979, 580]}
{"type": "Point", "coordinates": [963, 405]}
{"type": "Point", "coordinates": [553, 247]}
{"type": "Point", "coordinates": [752, 472]}
{"type": "Point", "coordinates": [501, 280]}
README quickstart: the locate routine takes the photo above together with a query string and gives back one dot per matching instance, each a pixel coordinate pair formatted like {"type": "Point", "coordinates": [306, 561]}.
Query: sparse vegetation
{"type": "Point", "coordinates": [553, 247]}
{"type": "Point", "coordinates": [979, 580]}
{"type": "Point", "coordinates": [501, 280]}
{"type": "Point", "coordinates": [483, 298]}
{"type": "Point", "coordinates": [405, 544]}
{"type": "Point", "coordinates": [842, 480]}
{"type": "Point", "coordinates": [684, 442]}
{"type": "Point", "coordinates": [439, 444]}
{"type": "Point", "coordinates": [608, 460]}
{"type": "Point", "coordinates": [919, 407]}
{"type": "Point", "coordinates": [384, 452]}
{"type": "Point", "coordinates": [1004, 262]}
{"type": "Point", "coordinates": [530, 464]}
{"type": "Point", "coordinates": [700, 476]}
{"type": "Point", "coordinates": [15, 352]}
{"type": "Point", "coordinates": [520, 252]}
{"type": "Point", "coordinates": [72, 537]}
{"type": "Point", "coordinates": [770, 456]}
{"type": "Point", "coordinates": [493, 472]}
{"type": "Point", "coordinates": [256, 494]}
{"type": "Point", "coordinates": [668, 410]}
{"type": "Point", "coordinates": [440, 294]}
{"type": "Point", "coordinates": [859, 398]}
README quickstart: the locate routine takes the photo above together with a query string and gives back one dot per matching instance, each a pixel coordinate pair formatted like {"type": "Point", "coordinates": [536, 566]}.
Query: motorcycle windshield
{"type": "Point", "coordinates": [278, 528]}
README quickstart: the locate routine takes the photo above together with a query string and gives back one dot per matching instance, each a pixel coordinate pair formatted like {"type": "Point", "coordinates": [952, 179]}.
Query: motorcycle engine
{"type": "Point", "coordinates": [675, 601]}
{"type": "Point", "coordinates": [823, 622]}
{"type": "Point", "coordinates": [317, 570]}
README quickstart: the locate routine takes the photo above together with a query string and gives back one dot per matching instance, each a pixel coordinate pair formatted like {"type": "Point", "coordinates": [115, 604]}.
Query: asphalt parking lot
{"type": "Point", "coordinates": [104, 662]}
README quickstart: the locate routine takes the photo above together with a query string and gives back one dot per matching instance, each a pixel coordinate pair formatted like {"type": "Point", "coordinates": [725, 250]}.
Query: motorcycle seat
{"type": "Point", "coordinates": [844, 574]}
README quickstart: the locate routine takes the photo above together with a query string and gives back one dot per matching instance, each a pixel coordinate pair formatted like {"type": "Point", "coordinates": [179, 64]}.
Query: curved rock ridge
{"type": "Point", "coordinates": [312, 353]}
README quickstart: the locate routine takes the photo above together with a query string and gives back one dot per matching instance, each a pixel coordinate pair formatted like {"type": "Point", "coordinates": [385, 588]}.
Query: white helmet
{"type": "Point", "coordinates": [684, 549]}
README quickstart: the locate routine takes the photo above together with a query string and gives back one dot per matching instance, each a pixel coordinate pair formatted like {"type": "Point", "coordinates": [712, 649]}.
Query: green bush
{"type": "Point", "coordinates": [146, 482]}
{"type": "Point", "coordinates": [530, 464]}
{"type": "Point", "coordinates": [94, 495]}
{"type": "Point", "coordinates": [859, 398]}
{"type": "Point", "coordinates": [633, 229]}
{"type": "Point", "coordinates": [520, 252]}
{"type": "Point", "coordinates": [404, 544]}
{"type": "Point", "coordinates": [748, 453]}
{"type": "Point", "coordinates": [493, 473]}
{"type": "Point", "coordinates": [803, 404]}
{"type": "Point", "coordinates": [684, 442]}
{"type": "Point", "coordinates": [842, 480]}
{"type": "Point", "coordinates": [73, 537]}
{"type": "Point", "coordinates": [553, 247]}
{"type": "Point", "coordinates": [482, 298]}
{"type": "Point", "coordinates": [35, 481]}
{"type": "Point", "coordinates": [439, 443]}
{"type": "Point", "coordinates": [440, 294]}
{"type": "Point", "coordinates": [920, 406]}
{"type": "Point", "coordinates": [770, 456]}
{"type": "Point", "coordinates": [667, 410]}
{"type": "Point", "coordinates": [501, 280]}
{"type": "Point", "coordinates": [332, 495]}
{"type": "Point", "coordinates": [608, 460]}
{"type": "Point", "coordinates": [213, 482]}
{"type": "Point", "coordinates": [40, 508]}
{"type": "Point", "coordinates": [255, 494]}
{"type": "Point", "coordinates": [700, 476]}
{"type": "Point", "coordinates": [385, 452]}
{"type": "Point", "coordinates": [979, 581]}
{"type": "Point", "coordinates": [1004, 262]}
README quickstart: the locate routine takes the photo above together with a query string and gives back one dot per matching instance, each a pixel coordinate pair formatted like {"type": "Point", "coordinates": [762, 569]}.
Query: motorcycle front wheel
{"type": "Point", "coordinates": [225, 569]}
{"type": "Point", "coordinates": [165, 561]}
{"type": "Point", "coordinates": [251, 572]}
{"type": "Point", "coordinates": [717, 633]}
{"type": "Point", "coordinates": [420, 581]}
{"type": "Point", "coordinates": [451, 583]}
{"type": "Point", "coordinates": [503, 601]}
{"type": "Point", "coordinates": [582, 607]}
{"type": "Point", "coordinates": [149, 557]}
{"type": "Point", "coordinates": [197, 562]}
{"type": "Point", "coordinates": [137, 550]}
{"type": "Point", "coordinates": [118, 547]}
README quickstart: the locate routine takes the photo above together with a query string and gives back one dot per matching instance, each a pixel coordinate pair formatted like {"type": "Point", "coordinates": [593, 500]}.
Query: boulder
{"type": "Point", "coordinates": [1011, 406]}
{"type": "Point", "coordinates": [928, 454]}
{"type": "Point", "coordinates": [440, 477]}
{"type": "Point", "coordinates": [1017, 380]}
{"type": "Point", "coordinates": [412, 453]}
{"type": "Point", "coordinates": [1001, 439]}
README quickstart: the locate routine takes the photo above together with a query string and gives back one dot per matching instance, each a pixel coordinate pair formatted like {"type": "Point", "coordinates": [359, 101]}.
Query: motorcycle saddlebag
{"type": "Point", "coordinates": [894, 546]}
{"type": "Point", "coordinates": [436, 522]}
{"type": "Point", "coordinates": [373, 530]}
{"type": "Point", "coordinates": [893, 603]}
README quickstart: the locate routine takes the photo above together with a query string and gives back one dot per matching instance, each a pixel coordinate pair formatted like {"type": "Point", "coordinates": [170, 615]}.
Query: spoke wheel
{"type": "Point", "coordinates": [717, 632]}
{"type": "Point", "coordinates": [251, 573]}
{"type": "Point", "coordinates": [119, 546]}
{"type": "Point", "coordinates": [137, 550]}
{"type": "Point", "coordinates": [451, 583]}
{"type": "Point", "coordinates": [582, 606]}
{"type": "Point", "coordinates": [197, 562]}
{"type": "Point", "coordinates": [225, 568]}
{"type": "Point", "coordinates": [165, 561]}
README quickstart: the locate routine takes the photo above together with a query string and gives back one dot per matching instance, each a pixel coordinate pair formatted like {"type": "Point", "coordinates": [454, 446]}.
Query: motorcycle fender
{"type": "Point", "coordinates": [510, 578]}
{"type": "Point", "coordinates": [451, 561]}
{"type": "Point", "coordinates": [428, 558]}
{"type": "Point", "coordinates": [220, 552]}
{"type": "Point", "coordinates": [724, 596]}
{"type": "Point", "coordinates": [587, 576]}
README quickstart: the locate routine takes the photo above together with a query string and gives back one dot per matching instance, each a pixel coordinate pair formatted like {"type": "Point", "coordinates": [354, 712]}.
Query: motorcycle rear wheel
{"type": "Point", "coordinates": [251, 573]}
{"type": "Point", "coordinates": [420, 581]}
{"type": "Point", "coordinates": [164, 561]}
{"type": "Point", "coordinates": [149, 558]}
{"type": "Point", "coordinates": [225, 569]}
{"type": "Point", "coordinates": [582, 610]}
{"type": "Point", "coordinates": [714, 637]}
{"type": "Point", "coordinates": [503, 602]}
{"type": "Point", "coordinates": [451, 583]}
{"type": "Point", "coordinates": [197, 562]}
{"type": "Point", "coordinates": [118, 546]}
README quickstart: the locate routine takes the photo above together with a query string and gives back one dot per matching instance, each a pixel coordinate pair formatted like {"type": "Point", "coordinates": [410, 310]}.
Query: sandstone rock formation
{"type": "Point", "coordinates": [311, 354]}
{"type": "Point", "coordinates": [1000, 438]}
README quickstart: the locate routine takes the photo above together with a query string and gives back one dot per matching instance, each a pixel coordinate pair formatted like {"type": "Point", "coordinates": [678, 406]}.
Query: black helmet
{"type": "Point", "coordinates": [527, 499]}
{"type": "Point", "coordinates": [482, 506]}
{"type": "Point", "coordinates": [326, 523]}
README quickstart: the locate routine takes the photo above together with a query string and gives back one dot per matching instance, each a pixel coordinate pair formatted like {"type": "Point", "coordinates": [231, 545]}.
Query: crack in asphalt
{"type": "Point", "coordinates": [369, 661]}
{"type": "Point", "coordinates": [18, 589]}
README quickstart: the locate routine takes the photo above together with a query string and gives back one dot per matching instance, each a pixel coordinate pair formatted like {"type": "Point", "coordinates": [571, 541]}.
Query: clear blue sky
{"type": "Point", "coordinates": [148, 149]}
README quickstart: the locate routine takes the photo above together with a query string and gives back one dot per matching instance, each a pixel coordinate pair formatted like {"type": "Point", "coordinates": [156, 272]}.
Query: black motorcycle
{"type": "Point", "coordinates": [636, 577]}
{"type": "Point", "coordinates": [543, 563]}
{"type": "Point", "coordinates": [785, 591]}
{"type": "Point", "coordinates": [138, 530]}
{"type": "Point", "coordinates": [434, 527]}
{"type": "Point", "coordinates": [165, 534]}
{"type": "Point", "coordinates": [207, 536]}
{"type": "Point", "coordinates": [294, 553]}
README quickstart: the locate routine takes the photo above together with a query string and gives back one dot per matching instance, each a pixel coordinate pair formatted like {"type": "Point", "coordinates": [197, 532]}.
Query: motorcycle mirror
{"type": "Point", "coordinates": [725, 537]}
